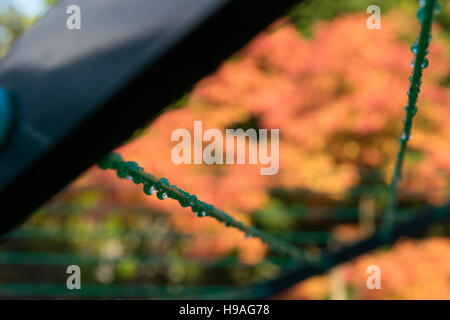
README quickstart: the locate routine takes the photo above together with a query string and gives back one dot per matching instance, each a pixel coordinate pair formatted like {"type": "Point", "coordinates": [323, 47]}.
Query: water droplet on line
{"type": "Point", "coordinates": [437, 8]}
{"type": "Point", "coordinates": [201, 214]}
{"type": "Point", "coordinates": [121, 173]}
{"type": "Point", "coordinates": [149, 189]}
{"type": "Point", "coordinates": [165, 181]}
{"type": "Point", "coordinates": [183, 203]}
{"type": "Point", "coordinates": [421, 14]}
{"type": "Point", "coordinates": [131, 165]}
{"type": "Point", "coordinates": [161, 195]}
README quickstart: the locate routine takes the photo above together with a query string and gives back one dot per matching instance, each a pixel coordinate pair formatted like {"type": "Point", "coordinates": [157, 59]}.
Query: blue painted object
{"type": "Point", "coordinates": [6, 116]}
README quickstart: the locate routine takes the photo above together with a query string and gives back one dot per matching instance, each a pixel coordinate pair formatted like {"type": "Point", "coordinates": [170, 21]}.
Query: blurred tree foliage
{"type": "Point", "coordinates": [12, 25]}
{"type": "Point", "coordinates": [51, 2]}
{"type": "Point", "coordinates": [307, 13]}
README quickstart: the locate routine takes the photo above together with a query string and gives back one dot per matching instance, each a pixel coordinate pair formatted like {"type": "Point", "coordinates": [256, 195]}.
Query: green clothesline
{"type": "Point", "coordinates": [130, 170]}
{"type": "Point", "coordinates": [419, 62]}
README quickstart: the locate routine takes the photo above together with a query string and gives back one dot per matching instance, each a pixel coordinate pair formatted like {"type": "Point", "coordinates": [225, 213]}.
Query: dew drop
{"type": "Point", "coordinates": [412, 110]}
{"type": "Point", "coordinates": [115, 160]}
{"type": "Point", "coordinates": [104, 163]}
{"type": "Point", "coordinates": [422, 3]}
{"type": "Point", "coordinates": [425, 63]}
{"type": "Point", "coordinates": [161, 195]}
{"type": "Point", "coordinates": [183, 203]}
{"type": "Point", "coordinates": [414, 48]}
{"type": "Point", "coordinates": [201, 214]}
{"type": "Point", "coordinates": [421, 14]}
{"type": "Point", "coordinates": [149, 189]}
{"type": "Point", "coordinates": [403, 138]}
{"type": "Point", "coordinates": [129, 178]}
{"type": "Point", "coordinates": [165, 181]}
{"type": "Point", "coordinates": [193, 200]}
{"type": "Point", "coordinates": [248, 235]}
{"type": "Point", "coordinates": [121, 173]}
{"type": "Point", "coordinates": [131, 165]}
{"type": "Point", "coordinates": [137, 180]}
{"type": "Point", "coordinates": [413, 63]}
{"type": "Point", "coordinates": [437, 8]}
